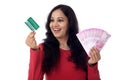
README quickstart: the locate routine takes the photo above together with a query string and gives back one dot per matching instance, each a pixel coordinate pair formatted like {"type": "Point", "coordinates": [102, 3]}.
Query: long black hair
{"type": "Point", "coordinates": [51, 44]}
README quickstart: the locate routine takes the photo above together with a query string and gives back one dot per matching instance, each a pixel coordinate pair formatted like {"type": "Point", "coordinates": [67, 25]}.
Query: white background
{"type": "Point", "coordinates": [14, 54]}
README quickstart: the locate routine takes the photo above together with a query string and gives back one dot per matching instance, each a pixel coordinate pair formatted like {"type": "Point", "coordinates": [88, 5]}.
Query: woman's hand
{"type": "Point", "coordinates": [94, 56]}
{"type": "Point", "coordinates": [30, 40]}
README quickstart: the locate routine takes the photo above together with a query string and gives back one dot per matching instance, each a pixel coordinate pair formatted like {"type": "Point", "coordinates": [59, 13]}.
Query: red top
{"type": "Point", "coordinates": [65, 71]}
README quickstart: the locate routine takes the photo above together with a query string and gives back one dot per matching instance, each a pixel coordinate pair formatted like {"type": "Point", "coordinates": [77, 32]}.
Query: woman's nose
{"type": "Point", "coordinates": [55, 24]}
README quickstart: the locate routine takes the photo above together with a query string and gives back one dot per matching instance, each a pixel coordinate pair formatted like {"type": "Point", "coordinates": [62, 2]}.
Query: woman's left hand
{"type": "Point", "coordinates": [94, 56]}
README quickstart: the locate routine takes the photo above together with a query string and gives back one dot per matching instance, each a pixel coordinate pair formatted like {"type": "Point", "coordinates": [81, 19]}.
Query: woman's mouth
{"type": "Point", "coordinates": [56, 30]}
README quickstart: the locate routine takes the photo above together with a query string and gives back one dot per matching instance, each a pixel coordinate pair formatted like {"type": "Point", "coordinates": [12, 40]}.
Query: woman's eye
{"type": "Point", "coordinates": [60, 20]}
{"type": "Point", "coordinates": [51, 20]}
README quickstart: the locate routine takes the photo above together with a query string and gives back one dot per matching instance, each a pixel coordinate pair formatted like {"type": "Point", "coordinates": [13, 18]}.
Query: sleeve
{"type": "Point", "coordinates": [93, 73]}
{"type": "Point", "coordinates": [35, 65]}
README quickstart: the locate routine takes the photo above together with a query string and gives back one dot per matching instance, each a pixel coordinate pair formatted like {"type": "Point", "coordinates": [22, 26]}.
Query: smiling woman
{"type": "Point", "coordinates": [61, 55]}
{"type": "Point", "coordinates": [59, 24]}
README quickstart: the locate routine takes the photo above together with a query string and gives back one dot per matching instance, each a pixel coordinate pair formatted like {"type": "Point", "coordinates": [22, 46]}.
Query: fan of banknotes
{"type": "Point", "coordinates": [93, 37]}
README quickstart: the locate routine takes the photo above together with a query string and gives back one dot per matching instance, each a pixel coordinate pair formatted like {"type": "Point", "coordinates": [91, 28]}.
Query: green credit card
{"type": "Point", "coordinates": [32, 24]}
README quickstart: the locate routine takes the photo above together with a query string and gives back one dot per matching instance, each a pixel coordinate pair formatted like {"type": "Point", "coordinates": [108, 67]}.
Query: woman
{"type": "Point", "coordinates": [61, 55]}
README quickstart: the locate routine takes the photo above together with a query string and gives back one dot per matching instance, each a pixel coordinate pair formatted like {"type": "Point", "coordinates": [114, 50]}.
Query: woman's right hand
{"type": "Point", "coordinates": [30, 40]}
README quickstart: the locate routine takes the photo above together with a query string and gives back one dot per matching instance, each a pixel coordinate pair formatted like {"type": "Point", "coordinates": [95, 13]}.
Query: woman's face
{"type": "Point", "coordinates": [59, 24]}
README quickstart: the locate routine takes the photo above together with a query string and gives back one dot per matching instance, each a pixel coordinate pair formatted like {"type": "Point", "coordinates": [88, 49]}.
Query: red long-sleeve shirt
{"type": "Point", "coordinates": [65, 71]}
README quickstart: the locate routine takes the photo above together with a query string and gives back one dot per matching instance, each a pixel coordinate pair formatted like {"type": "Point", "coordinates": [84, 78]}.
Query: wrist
{"type": "Point", "coordinates": [35, 48]}
{"type": "Point", "coordinates": [93, 64]}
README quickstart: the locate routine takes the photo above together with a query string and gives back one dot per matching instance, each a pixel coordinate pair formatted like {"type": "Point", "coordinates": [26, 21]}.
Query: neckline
{"type": "Point", "coordinates": [64, 49]}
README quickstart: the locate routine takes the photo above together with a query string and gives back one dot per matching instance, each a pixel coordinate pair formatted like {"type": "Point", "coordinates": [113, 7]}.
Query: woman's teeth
{"type": "Point", "coordinates": [56, 29]}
